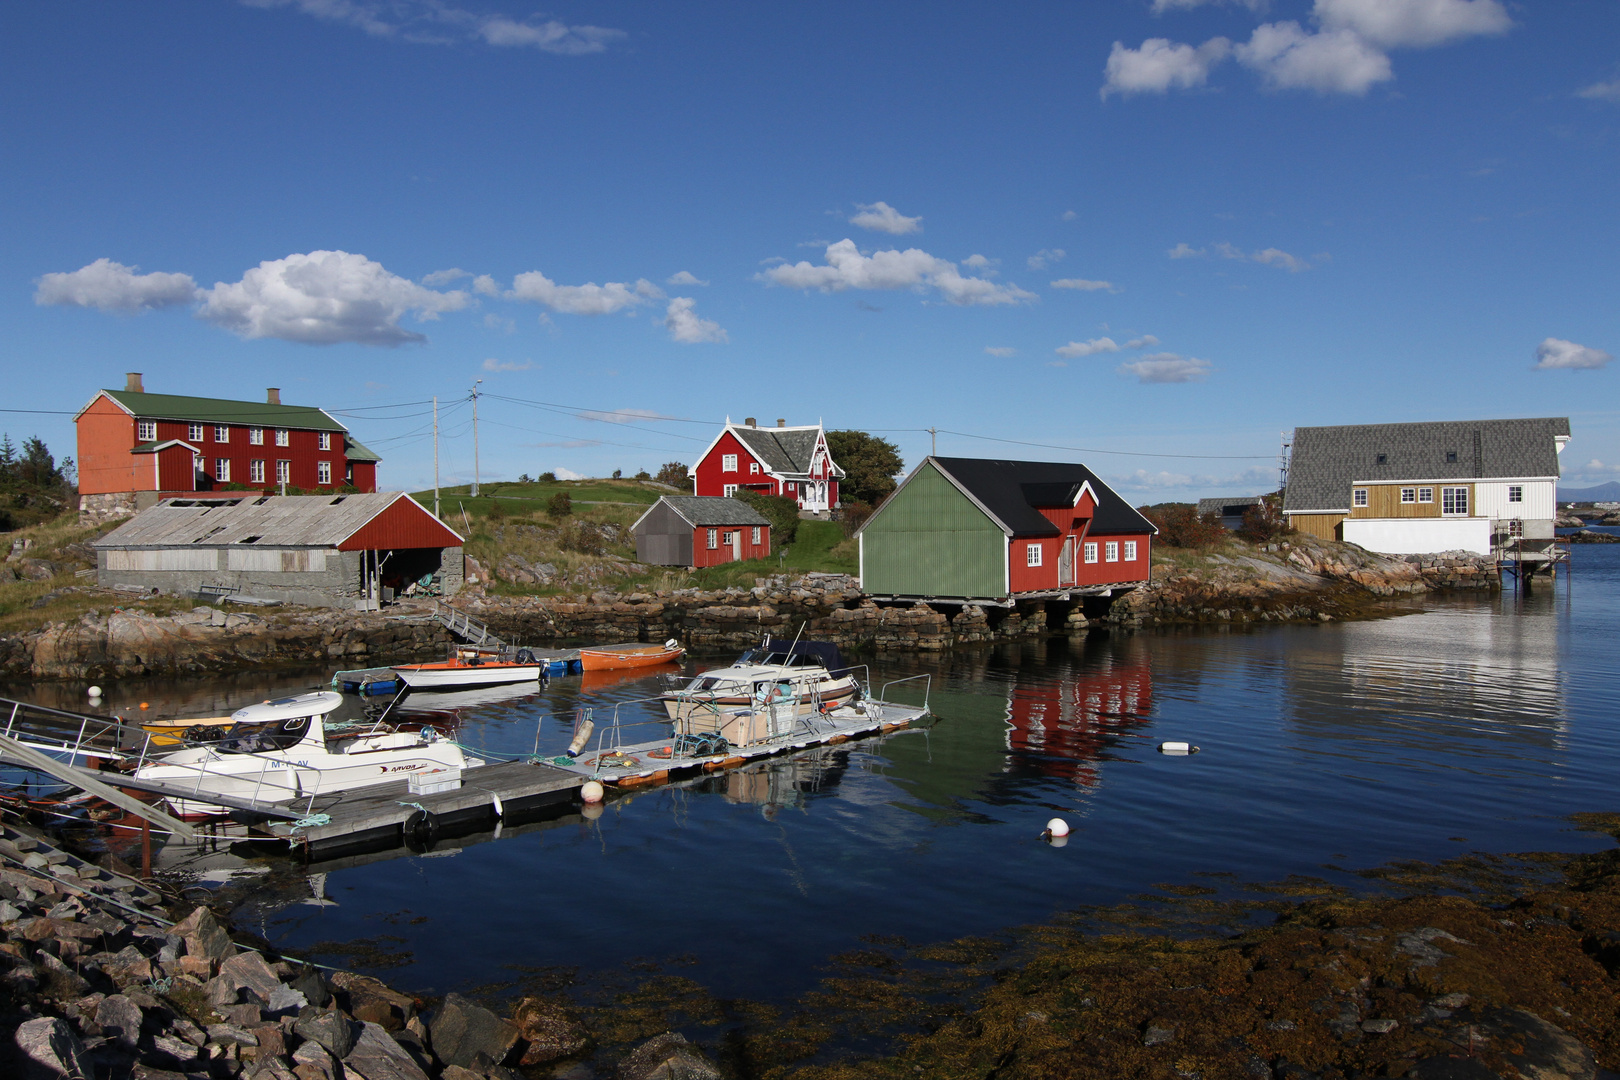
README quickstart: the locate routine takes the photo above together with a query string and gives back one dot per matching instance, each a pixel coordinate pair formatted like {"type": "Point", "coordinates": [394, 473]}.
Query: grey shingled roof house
{"type": "Point", "coordinates": [668, 534]}
{"type": "Point", "coordinates": [1425, 478]}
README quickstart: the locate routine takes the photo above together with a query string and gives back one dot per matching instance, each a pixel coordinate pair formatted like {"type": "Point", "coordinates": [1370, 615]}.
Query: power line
{"type": "Point", "coordinates": [1082, 449]}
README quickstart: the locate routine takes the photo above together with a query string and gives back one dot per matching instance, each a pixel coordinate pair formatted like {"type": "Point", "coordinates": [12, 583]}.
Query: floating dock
{"type": "Point", "coordinates": [391, 811]}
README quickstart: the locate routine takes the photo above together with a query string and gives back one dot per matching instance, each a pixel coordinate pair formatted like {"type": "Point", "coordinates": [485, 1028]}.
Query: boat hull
{"type": "Point", "coordinates": [628, 656]}
{"type": "Point", "coordinates": [682, 705]}
{"type": "Point", "coordinates": [465, 677]}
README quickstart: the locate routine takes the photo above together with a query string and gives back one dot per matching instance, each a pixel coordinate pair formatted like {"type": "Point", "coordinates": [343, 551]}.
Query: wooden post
{"type": "Point", "coordinates": [146, 850]}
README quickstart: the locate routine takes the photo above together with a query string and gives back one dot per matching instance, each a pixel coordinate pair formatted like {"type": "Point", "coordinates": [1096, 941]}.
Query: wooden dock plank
{"type": "Point", "coordinates": [386, 807]}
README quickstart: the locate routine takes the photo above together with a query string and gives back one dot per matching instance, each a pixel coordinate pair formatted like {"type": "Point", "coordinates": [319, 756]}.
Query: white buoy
{"type": "Point", "coordinates": [1057, 841]}
{"type": "Point", "coordinates": [580, 738]}
{"type": "Point", "coordinates": [94, 691]}
{"type": "Point", "coordinates": [591, 792]}
{"type": "Point", "coordinates": [1057, 827]}
{"type": "Point", "coordinates": [591, 811]}
{"type": "Point", "coordinates": [1177, 749]}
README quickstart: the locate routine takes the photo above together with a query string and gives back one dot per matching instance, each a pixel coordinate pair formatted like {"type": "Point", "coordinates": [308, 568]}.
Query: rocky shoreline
{"type": "Point", "coordinates": [1300, 579]}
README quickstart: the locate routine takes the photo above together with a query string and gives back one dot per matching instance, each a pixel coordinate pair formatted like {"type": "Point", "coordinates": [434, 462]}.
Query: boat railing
{"type": "Point", "coordinates": [203, 772]}
{"type": "Point", "coordinates": [928, 686]}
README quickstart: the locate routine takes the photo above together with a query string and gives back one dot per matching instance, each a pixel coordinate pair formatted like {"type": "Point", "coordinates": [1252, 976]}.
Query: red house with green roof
{"type": "Point", "coordinates": [136, 448]}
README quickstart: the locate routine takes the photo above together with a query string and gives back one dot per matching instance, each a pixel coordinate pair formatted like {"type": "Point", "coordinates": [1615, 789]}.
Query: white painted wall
{"type": "Point", "coordinates": [1540, 498]}
{"type": "Point", "coordinates": [1421, 536]}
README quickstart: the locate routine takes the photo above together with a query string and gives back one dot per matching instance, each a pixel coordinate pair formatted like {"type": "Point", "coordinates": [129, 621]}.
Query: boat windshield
{"type": "Point", "coordinates": [260, 738]}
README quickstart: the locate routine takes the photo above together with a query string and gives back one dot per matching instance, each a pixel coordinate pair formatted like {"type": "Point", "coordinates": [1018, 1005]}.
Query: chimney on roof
{"type": "Point", "coordinates": [750, 422]}
{"type": "Point", "coordinates": [780, 422]}
{"type": "Point", "coordinates": [272, 396]}
{"type": "Point", "coordinates": [132, 383]}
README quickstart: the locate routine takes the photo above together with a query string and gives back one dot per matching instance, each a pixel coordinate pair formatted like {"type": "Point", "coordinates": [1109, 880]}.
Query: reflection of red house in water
{"type": "Point", "coordinates": [1066, 724]}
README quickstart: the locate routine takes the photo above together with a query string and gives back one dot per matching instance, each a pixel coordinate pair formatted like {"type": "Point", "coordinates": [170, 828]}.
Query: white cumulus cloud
{"type": "Point", "coordinates": [323, 298]}
{"type": "Point", "coordinates": [1556, 353]}
{"type": "Point", "coordinates": [685, 326]}
{"type": "Point", "coordinates": [1143, 342]}
{"type": "Point", "coordinates": [684, 277]}
{"type": "Point", "coordinates": [980, 263]}
{"type": "Point", "coordinates": [569, 474]}
{"type": "Point", "coordinates": [1166, 368]}
{"type": "Point", "coordinates": [1186, 251]}
{"type": "Point", "coordinates": [436, 22]}
{"type": "Point", "coordinates": [550, 36]}
{"type": "Point", "coordinates": [1041, 258]}
{"type": "Point", "coordinates": [1082, 285]}
{"type": "Point", "coordinates": [111, 286]}
{"type": "Point", "coordinates": [1002, 351]}
{"type": "Point", "coordinates": [587, 299]}
{"type": "Point", "coordinates": [1413, 24]}
{"type": "Point", "coordinates": [1076, 349]}
{"type": "Point", "coordinates": [1288, 57]}
{"type": "Point", "coordinates": [1266, 257]}
{"type": "Point", "coordinates": [847, 268]}
{"type": "Point", "coordinates": [445, 277]}
{"type": "Point", "coordinates": [881, 217]}
{"type": "Point", "coordinates": [1159, 65]}
{"type": "Point", "coordinates": [1601, 91]}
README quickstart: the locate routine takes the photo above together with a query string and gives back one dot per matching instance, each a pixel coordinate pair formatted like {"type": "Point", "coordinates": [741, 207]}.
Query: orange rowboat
{"type": "Point", "coordinates": [633, 654]}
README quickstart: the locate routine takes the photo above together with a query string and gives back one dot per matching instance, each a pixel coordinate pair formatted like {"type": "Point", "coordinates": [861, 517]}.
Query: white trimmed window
{"type": "Point", "coordinates": [256, 471]}
{"type": "Point", "coordinates": [323, 472]}
{"type": "Point", "coordinates": [1359, 498]}
{"type": "Point", "coordinates": [222, 469]}
{"type": "Point", "coordinates": [1454, 501]}
{"type": "Point", "coordinates": [1408, 495]}
{"type": "Point", "coordinates": [756, 536]}
{"type": "Point", "coordinates": [729, 490]}
{"type": "Point", "coordinates": [728, 538]}
{"type": "Point", "coordinates": [146, 430]}
{"type": "Point", "coordinates": [1111, 551]}
{"type": "Point", "coordinates": [282, 437]}
{"type": "Point", "coordinates": [1091, 551]}
{"type": "Point", "coordinates": [194, 433]}
{"type": "Point", "coordinates": [1425, 495]}
{"type": "Point", "coordinates": [1032, 555]}
{"type": "Point", "coordinates": [283, 472]}
{"type": "Point", "coordinates": [728, 462]}
{"type": "Point", "coordinates": [222, 433]}
{"type": "Point", "coordinates": [753, 468]}
{"type": "Point", "coordinates": [1130, 551]}
{"type": "Point", "coordinates": [714, 539]}
{"type": "Point", "coordinates": [255, 436]}
{"type": "Point", "coordinates": [1516, 493]}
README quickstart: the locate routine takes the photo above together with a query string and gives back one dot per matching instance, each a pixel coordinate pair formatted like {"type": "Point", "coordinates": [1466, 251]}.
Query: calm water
{"type": "Point", "coordinates": [1474, 725]}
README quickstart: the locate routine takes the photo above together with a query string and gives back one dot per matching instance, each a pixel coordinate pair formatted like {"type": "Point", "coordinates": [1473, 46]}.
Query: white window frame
{"type": "Point", "coordinates": [753, 468]}
{"type": "Point", "coordinates": [326, 440]}
{"type": "Point", "coordinates": [255, 436]}
{"type": "Point", "coordinates": [756, 540]}
{"type": "Point", "coordinates": [728, 462]}
{"type": "Point", "coordinates": [1425, 494]}
{"type": "Point", "coordinates": [146, 430]}
{"type": "Point", "coordinates": [222, 433]}
{"type": "Point", "coordinates": [1358, 497]}
{"type": "Point", "coordinates": [1408, 495]}
{"type": "Point", "coordinates": [1130, 551]}
{"type": "Point", "coordinates": [1516, 493]}
{"type": "Point", "coordinates": [194, 433]}
{"type": "Point", "coordinates": [323, 472]}
{"type": "Point", "coordinates": [1091, 551]}
{"type": "Point", "coordinates": [714, 539]}
{"type": "Point", "coordinates": [1457, 499]}
{"type": "Point", "coordinates": [283, 437]}
{"type": "Point", "coordinates": [1111, 551]}
{"type": "Point", "coordinates": [1032, 555]}
{"type": "Point", "coordinates": [728, 538]}
{"type": "Point", "coordinates": [222, 470]}
{"type": "Point", "coordinates": [283, 471]}
{"type": "Point", "coordinates": [256, 471]}
{"type": "Point", "coordinates": [729, 490]}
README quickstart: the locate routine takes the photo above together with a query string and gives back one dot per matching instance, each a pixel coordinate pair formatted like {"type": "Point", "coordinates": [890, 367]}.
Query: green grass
{"type": "Point", "coordinates": [520, 499]}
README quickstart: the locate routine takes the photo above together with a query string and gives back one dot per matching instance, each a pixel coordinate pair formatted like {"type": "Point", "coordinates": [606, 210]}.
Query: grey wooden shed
{"type": "Point", "coordinates": [701, 530]}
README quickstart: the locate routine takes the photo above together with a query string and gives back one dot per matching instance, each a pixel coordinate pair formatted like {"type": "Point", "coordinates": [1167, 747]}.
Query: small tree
{"type": "Point", "coordinates": [1264, 521]}
{"type": "Point", "coordinates": [643, 475]}
{"type": "Point", "coordinates": [523, 478]}
{"type": "Point", "coordinates": [780, 511]}
{"type": "Point", "coordinates": [560, 505]}
{"type": "Point", "coordinates": [618, 474]}
{"type": "Point", "coordinates": [1181, 525]}
{"type": "Point", "coordinates": [870, 465]}
{"type": "Point", "coordinates": [548, 477]}
{"type": "Point", "coordinates": [673, 473]}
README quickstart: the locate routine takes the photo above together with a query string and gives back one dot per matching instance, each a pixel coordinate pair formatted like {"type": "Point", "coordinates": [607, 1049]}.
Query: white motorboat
{"type": "Point", "coordinates": [811, 673]}
{"type": "Point", "coordinates": [279, 751]}
{"type": "Point", "coordinates": [468, 668]}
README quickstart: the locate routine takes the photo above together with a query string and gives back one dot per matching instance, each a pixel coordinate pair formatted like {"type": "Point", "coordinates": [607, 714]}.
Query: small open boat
{"type": "Point", "coordinates": [633, 654]}
{"type": "Point", "coordinates": [468, 668]}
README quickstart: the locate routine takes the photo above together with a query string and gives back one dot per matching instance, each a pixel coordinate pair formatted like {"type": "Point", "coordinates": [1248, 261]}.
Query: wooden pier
{"type": "Point", "coordinates": [386, 812]}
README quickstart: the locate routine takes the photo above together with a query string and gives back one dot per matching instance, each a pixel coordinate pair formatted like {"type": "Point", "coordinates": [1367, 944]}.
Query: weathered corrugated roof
{"type": "Point", "coordinates": [783, 450]}
{"type": "Point", "coordinates": [1326, 461]}
{"type": "Point", "coordinates": [1218, 506]}
{"type": "Point", "coordinates": [220, 411]}
{"type": "Point", "coordinates": [702, 510]}
{"type": "Point", "coordinates": [1006, 488]}
{"type": "Point", "coordinates": [271, 520]}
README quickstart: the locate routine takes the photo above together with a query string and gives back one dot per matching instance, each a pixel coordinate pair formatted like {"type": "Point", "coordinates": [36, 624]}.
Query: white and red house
{"type": "Point", "coordinates": [787, 461]}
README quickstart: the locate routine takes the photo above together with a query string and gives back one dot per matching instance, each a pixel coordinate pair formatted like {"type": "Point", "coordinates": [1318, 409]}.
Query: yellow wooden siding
{"type": "Point", "coordinates": [1384, 501]}
{"type": "Point", "coordinates": [1321, 526]}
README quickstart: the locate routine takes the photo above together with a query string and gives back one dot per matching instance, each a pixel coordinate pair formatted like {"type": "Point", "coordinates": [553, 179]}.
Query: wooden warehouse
{"type": "Point", "coordinates": [1000, 531]}
{"type": "Point", "coordinates": [701, 530]}
{"type": "Point", "coordinates": [321, 550]}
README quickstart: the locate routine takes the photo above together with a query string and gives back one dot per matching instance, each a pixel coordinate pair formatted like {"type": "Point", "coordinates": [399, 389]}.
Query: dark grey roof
{"type": "Point", "coordinates": [783, 450]}
{"type": "Point", "coordinates": [1011, 491]}
{"type": "Point", "coordinates": [1326, 461]}
{"type": "Point", "coordinates": [703, 510]}
{"type": "Point", "coordinates": [1238, 503]}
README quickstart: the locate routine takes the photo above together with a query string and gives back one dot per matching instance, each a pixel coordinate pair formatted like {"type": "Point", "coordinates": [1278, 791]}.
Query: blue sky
{"type": "Point", "coordinates": [1124, 227]}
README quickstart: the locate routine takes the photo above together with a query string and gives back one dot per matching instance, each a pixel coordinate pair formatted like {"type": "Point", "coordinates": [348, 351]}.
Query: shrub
{"type": "Point", "coordinates": [1181, 525]}
{"type": "Point", "coordinates": [560, 505]}
{"type": "Point", "coordinates": [854, 515]}
{"type": "Point", "coordinates": [643, 475]}
{"type": "Point", "coordinates": [523, 478]}
{"type": "Point", "coordinates": [548, 478]}
{"type": "Point", "coordinates": [673, 473]}
{"type": "Point", "coordinates": [780, 511]}
{"type": "Point", "coordinates": [618, 474]}
{"type": "Point", "coordinates": [1264, 521]}
{"type": "Point", "coordinates": [496, 512]}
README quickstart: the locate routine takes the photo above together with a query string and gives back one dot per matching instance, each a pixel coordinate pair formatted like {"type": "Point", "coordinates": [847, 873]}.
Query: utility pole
{"type": "Point", "coordinates": [475, 437]}
{"type": "Point", "coordinates": [933, 443]}
{"type": "Point", "coordinates": [435, 455]}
